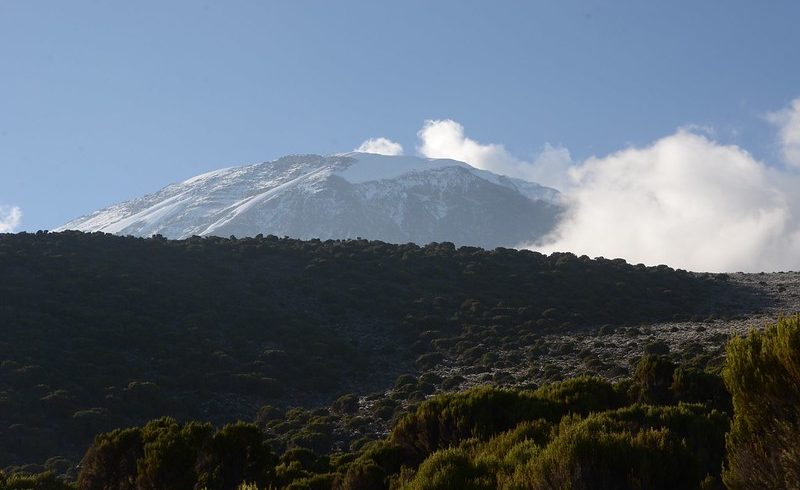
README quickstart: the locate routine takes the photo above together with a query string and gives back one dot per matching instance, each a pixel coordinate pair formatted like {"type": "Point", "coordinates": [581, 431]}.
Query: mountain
{"type": "Point", "coordinates": [396, 199]}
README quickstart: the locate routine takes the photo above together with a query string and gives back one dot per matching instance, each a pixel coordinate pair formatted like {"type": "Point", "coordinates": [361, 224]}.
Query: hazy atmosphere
{"type": "Point", "coordinates": [673, 132]}
{"type": "Point", "coordinates": [414, 245]}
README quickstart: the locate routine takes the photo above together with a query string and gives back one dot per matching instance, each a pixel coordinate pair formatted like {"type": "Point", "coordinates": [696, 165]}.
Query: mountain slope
{"type": "Point", "coordinates": [390, 198]}
{"type": "Point", "coordinates": [101, 331]}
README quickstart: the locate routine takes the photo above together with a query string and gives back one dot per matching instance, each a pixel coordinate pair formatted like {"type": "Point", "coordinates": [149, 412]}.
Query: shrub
{"type": "Point", "coordinates": [41, 481]}
{"type": "Point", "coordinates": [653, 377]}
{"type": "Point", "coordinates": [452, 469]}
{"type": "Point", "coordinates": [634, 448]}
{"type": "Point", "coordinates": [444, 420]}
{"type": "Point", "coordinates": [762, 373]}
{"type": "Point", "coordinates": [164, 454]}
{"type": "Point", "coordinates": [346, 404]}
{"type": "Point", "coordinates": [111, 461]}
{"type": "Point", "coordinates": [362, 475]}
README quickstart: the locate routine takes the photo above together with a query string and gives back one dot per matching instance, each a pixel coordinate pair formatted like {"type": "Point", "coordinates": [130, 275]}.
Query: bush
{"type": "Point", "coordinates": [444, 420]}
{"type": "Point", "coordinates": [653, 377]}
{"type": "Point", "coordinates": [164, 454]}
{"type": "Point", "coordinates": [346, 404]}
{"type": "Point", "coordinates": [762, 373]}
{"type": "Point", "coordinates": [452, 469]}
{"type": "Point", "coordinates": [111, 461]}
{"type": "Point", "coordinates": [42, 481]}
{"type": "Point", "coordinates": [633, 448]}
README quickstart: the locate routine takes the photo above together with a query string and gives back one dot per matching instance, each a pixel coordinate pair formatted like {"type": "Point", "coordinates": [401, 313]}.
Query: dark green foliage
{"type": "Point", "coordinates": [102, 331]}
{"type": "Point", "coordinates": [634, 447]}
{"type": "Point", "coordinates": [170, 454]}
{"type": "Point", "coordinates": [697, 386]}
{"type": "Point", "coordinates": [42, 481]}
{"type": "Point", "coordinates": [762, 373]}
{"type": "Point", "coordinates": [452, 469]}
{"type": "Point", "coordinates": [582, 395]}
{"type": "Point", "coordinates": [111, 461]}
{"type": "Point", "coordinates": [236, 453]}
{"type": "Point", "coordinates": [167, 455]}
{"type": "Point", "coordinates": [362, 475]}
{"type": "Point", "coordinates": [658, 348]}
{"type": "Point", "coordinates": [323, 481]}
{"type": "Point", "coordinates": [638, 448]}
{"type": "Point", "coordinates": [582, 433]}
{"type": "Point", "coordinates": [654, 378]}
{"type": "Point", "coordinates": [445, 420]}
{"type": "Point", "coordinates": [658, 380]}
{"type": "Point", "coordinates": [346, 404]}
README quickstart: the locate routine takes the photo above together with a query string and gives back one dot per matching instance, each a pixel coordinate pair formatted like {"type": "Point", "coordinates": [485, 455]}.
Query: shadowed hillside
{"type": "Point", "coordinates": [101, 331]}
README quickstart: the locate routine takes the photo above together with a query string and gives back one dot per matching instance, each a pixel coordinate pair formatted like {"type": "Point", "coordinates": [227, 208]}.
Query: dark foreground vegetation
{"type": "Point", "coordinates": [665, 428]}
{"type": "Point", "coordinates": [331, 350]}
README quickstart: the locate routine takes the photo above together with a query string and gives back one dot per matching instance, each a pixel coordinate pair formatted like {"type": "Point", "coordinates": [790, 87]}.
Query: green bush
{"type": "Point", "coordinates": [444, 420]}
{"type": "Point", "coordinates": [42, 481]}
{"type": "Point", "coordinates": [452, 469]}
{"type": "Point", "coordinates": [167, 455]}
{"type": "Point", "coordinates": [762, 373]}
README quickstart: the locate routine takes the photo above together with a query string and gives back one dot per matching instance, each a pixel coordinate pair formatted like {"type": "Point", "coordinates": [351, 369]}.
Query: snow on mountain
{"type": "Point", "coordinates": [392, 198]}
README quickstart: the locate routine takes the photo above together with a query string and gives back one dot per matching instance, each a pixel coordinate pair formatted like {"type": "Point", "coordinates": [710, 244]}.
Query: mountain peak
{"type": "Point", "coordinates": [391, 198]}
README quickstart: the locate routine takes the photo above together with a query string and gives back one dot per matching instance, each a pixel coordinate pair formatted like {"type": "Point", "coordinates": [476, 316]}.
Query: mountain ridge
{"type": "Point", "coordinates": [392, 198]}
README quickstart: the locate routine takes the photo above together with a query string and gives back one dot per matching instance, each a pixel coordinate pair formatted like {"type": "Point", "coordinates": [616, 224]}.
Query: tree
{"type": "Point", "coordinates": [110, 462]}
{"type": "Point", "coordinates": [762, 373]}
{"type": "Point", "coordinates": [236, 454]}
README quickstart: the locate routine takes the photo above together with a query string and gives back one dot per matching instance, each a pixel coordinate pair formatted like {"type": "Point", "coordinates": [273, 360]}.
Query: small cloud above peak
{"type": "Point", "coordinates": [380, 146]}
{"type": "Point", "coordinates": [445, 139]}
{"type": "Point", "coordinates": [10, 218]}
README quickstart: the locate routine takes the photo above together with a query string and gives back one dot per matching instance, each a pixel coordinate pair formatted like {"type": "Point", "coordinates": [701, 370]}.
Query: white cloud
{"type": "Point", "coordinates": [686, 201]}
{"type": "Point", "coordinates": [381, 146]}
{"type": "Point", "coordinates": [550, 167]}
{"type": "Point", "coordinates": [10, 218]}
{"type": "Point", "coordinates": [788, 123]}
{"type": "Point", "coordinates": [445, 139]}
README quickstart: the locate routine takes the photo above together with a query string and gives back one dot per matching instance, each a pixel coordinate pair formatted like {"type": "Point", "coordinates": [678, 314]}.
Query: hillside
{"type": "Point", "coordinates": [102, 331]}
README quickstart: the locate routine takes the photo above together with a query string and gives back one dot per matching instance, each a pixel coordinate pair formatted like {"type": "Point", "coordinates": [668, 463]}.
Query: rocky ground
{"type": "Point", "coordinates": [603, 350]}
{"type": "Point", "coordinates": [610, 352]}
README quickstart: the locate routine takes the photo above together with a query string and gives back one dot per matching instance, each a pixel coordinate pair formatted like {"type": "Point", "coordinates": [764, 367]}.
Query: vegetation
{"type": "Point", "coordinates": [121, 346]}
{"type": "Point", "coordinates": [763, 376]}
{"type": "Point", "coordinates": [582, 433]}
{"type": "Point", "coordinates": [101, 331]}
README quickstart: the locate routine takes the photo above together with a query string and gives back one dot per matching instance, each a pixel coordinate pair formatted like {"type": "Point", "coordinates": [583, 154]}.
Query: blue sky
{"type": "Point", "coordinates": [105, 101]}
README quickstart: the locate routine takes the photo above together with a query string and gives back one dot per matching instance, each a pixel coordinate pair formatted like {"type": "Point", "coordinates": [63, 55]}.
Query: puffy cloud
{"type": "Point", "coordinates": [550, 167]}
{"type": "Point", "coordinates": [686, 201]}
{"type": "Point", "coordinates": [788, 123]}
{"type": "Point", "coordinates": [445, 139]}
{"type": "Point", "coordinates": [381, 146]}
{"type": "Point", "coordinates": [10, 218]}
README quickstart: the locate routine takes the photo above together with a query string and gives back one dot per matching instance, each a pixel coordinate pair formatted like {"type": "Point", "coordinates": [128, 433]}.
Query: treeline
{"type": "Point", "coordinates": [101, 331]}
{"type": "Point", "coordinates": [665, 428]}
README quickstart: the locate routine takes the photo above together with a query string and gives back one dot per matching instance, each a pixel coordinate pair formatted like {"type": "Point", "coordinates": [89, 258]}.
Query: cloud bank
{"type": "Point", "coordinates": [381, 146]}
{"type": "Point", "coordinates": [10, 218]}
{"type": "Point", "coordinates": [685, 200]}
{"type": "Point", "coordinates": [788, 123]}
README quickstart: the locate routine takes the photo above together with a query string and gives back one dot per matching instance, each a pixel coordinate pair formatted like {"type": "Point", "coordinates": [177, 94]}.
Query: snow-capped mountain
{"type": "Point", "coordinates": [392, 198]}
